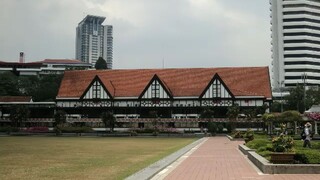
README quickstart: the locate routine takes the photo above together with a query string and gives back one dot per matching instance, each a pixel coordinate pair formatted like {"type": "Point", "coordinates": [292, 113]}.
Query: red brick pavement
{"type": "Point", "coordinates": [219, 158]}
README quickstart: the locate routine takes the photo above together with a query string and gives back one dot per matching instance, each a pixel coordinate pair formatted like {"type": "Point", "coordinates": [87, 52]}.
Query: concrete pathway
{"type": "Point", "coordinates": [219, 158]}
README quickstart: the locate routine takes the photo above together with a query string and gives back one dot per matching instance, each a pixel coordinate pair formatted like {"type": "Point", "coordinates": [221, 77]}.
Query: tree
{"type": "Point", "coordinates": [154, 116]}
{"type": "Point", "coordinates": [275, 106]}
{"type": "Point", "coordinates": [59, 118]}
{"type": "Point", "coordinates": [212, 128]}
{"type": "Point", "coordinates": [207, 113]}
{"type": "Point", "coordinates": [8, 84]}
{"type": "Point", "coordinates": [294, 101]}
{"type": "Point", "coordinates": [109, 120]}
{"type": "Point", "coordinates": [290, 116]}
{"type": "Point", "coordinates": [269, 118]}
{"type": "Point", "coordinates": [18, 115]}
{"type": "Point", "coordinates": [312, 96]}
{"type": "Point", "coordinates": [232, 114]}
{"type": "Point", "coordinates": [47, 88]}
{"type": "Point", "coordinates": [101, 64]}
{"type": "Point", "coordinates": [233, 111]}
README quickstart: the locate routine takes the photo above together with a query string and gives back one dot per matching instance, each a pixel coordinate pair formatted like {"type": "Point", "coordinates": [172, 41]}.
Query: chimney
{"type": "Point", "coordinates": [21, 59]}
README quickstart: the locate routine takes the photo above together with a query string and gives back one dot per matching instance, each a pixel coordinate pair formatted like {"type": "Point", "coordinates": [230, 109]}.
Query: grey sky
{"type": "Point", "coordinates": [182, 33]}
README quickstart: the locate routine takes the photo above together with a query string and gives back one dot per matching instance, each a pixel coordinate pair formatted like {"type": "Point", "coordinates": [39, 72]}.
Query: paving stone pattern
{"type": "Point", "coordinates": [219, 158]}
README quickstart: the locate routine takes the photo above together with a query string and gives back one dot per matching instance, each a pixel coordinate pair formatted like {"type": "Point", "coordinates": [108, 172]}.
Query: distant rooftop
{"type": "Point", "coordinates": [62, 61]}
{"type": "Point", "coordinates": [45, 61]}
{"type": "Point", "coordinates": [92, 18]}
{"type": "Point", "coordinates": [15, 99]}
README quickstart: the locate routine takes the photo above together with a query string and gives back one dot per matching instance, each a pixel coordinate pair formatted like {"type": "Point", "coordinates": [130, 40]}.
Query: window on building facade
{"type": "Point", "coordinates": [155, 89]}
{"type": "Point", "coordinates": [96, 90]}
{"type": "Point", "coordinates": [216, 89]}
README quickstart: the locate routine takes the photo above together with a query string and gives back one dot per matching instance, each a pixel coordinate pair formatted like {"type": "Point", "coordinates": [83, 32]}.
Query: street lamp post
{"type": "Point", "coordinates": [304, 77]}
{"type": "Point", "coordinates": [281, 100]}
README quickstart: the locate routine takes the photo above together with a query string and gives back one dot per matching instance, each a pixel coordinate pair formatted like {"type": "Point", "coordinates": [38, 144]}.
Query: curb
{"type": "Point", "coordinates": [268, 168]}
{"type": "Point", "coordinates": [153, 169]}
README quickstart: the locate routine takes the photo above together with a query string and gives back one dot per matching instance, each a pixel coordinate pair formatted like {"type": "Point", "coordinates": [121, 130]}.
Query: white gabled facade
{"type": "Point", "coordinates": [217, 93]}
{"type": "Point", "coordinates": [217, 90]}
{"type": "Point", "coordinates": [155, 90]}
{"type": "Point", "coordinates": [96, 91]}
{"type": "Point", "coordinates": [155, 94]}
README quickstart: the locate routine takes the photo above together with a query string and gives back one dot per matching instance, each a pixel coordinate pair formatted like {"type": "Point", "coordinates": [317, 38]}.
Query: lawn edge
{"type": "Point", "coordinates": [155, 168]}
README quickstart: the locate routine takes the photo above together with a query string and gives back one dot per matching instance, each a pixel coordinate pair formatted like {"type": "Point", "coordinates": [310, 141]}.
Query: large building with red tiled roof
{"type": "Point", "coordinates": [172, 93]}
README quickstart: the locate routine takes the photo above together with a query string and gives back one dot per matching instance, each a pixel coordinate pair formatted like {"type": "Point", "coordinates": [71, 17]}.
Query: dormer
{"type": "Point", "coordinates": [96, 91]}
{"type": "Point", "coordinates": [216, 89]}
{"type": "Point", "coordinates": [156, 89]}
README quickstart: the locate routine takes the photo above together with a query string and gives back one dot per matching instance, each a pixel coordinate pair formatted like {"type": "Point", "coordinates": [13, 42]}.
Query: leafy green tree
{"type": "Point", "coordinates": [28, 85]}
{"type": "Point", "coordinates": [269, 117]}
{"type": "Point", "coordinates": [109, 120]}
{"type": "Point", "coordinates": [261, 109]}
{"type": "Point", "coordinates": [275, 106]}
{"type": "Point", "coordinates": [19, 115]}
{"type": "Point", "coordinates": [233, 111]}
{"type": "Point", "coordinates": [212, 128]}
{"type": "Point", "coordinates": [9, 84]}
{"type": "Point", "coordinates": [59, 118]}
{"type": "Point", "coordinates": [101, 64]}
{"type": "Point", "coordinates": [312, 97]}
{"type": "Point", "coordinates": [290, 116]}
{"type": "Point", "coordinates": [294, 101]}
{"type": "Point", "coordinates": [250, 113]}
{"type": "Point", "coordinates": [207, 113]}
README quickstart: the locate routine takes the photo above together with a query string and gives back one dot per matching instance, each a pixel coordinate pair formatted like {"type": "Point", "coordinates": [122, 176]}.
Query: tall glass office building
{"type": "Point", "coordinates": [295, 42]}
{"type": "Point", "coordinates": [94, 40]}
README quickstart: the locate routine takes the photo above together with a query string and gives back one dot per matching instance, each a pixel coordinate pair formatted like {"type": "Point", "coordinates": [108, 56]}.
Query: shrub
{"type": "Point", "coordinates": [301, 158]}
{"type": "Point", "coordinates": [84, 129]}
{"type": "Point", "coordinates": [147, 130]}
{"type": "Point", "coordinates": [237, 134]}
{"type": "Point", "coordinates": [37, 130]}
{"type": "Point", "coordinates": [155, 133]}
{"type": "Point", "coordinates": [282, 143]}
{"type": "Point", "coordinates": [133, 133]}
{"type": "Point", "coordinates": [257, 143]}
{"type": "Point", "coordinates": [248, 136]}
{"type": "Point", "coordinates": [9, 129]}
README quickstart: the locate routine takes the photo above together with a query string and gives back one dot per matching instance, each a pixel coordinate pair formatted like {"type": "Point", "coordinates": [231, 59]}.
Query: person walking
{"type": "Point", "coordinates": [307, 134]}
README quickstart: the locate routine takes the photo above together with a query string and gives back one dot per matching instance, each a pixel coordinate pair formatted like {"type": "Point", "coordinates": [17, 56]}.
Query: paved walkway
{"type": "Point", "coordinates": [219, 158]}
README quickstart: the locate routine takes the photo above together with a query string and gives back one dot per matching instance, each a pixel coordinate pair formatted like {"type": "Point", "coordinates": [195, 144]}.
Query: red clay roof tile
{"type": "Point", "coordinates": [15, 98]}
{"type": "Point", "coordinates": [242, 81]}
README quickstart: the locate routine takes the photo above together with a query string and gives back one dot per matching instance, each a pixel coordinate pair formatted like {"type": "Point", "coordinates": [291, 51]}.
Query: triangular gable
{"type": "Point", "coordinates": [156, 88]}
{"type": "Point", "coordinates": [96, 90]}
{"type": "Point", "coordinates": [216, 89]}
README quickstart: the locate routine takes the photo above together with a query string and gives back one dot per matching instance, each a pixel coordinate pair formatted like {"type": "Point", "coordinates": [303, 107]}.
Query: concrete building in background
{"type": "Point", "coordinates": [94, 40]}
{"type": "Point", "coordinates": [295, 42]}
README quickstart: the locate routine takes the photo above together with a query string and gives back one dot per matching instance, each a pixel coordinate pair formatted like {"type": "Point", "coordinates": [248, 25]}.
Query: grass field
{"type": "Point", "coordinates": [81, 157]}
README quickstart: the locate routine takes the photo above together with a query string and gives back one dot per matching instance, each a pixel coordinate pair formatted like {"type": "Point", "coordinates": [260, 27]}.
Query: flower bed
{"type": "Point", "coordinates": [263, 146]}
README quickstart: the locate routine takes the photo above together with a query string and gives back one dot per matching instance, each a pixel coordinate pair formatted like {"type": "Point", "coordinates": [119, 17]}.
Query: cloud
{"type": "Point", "coordinates": [181, 33]}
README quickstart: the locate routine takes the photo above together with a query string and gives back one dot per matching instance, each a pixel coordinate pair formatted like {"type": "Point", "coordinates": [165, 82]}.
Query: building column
{"type": "Point", "coordinates": [316, 127]}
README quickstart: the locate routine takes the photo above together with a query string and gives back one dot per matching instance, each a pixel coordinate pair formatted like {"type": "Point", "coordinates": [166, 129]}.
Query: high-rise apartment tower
{"type": "Point", "coordinates": [94, 40]}
{"type": "Point", "coordinates": [295, 42]}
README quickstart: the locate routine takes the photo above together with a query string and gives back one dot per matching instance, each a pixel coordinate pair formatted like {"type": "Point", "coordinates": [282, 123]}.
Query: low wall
{"type": "Point", "coordinates": [268, 168]}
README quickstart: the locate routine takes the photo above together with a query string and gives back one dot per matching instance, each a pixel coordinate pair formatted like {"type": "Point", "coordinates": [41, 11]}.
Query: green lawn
{"type": "Point", "coordinates": [81, 157]}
